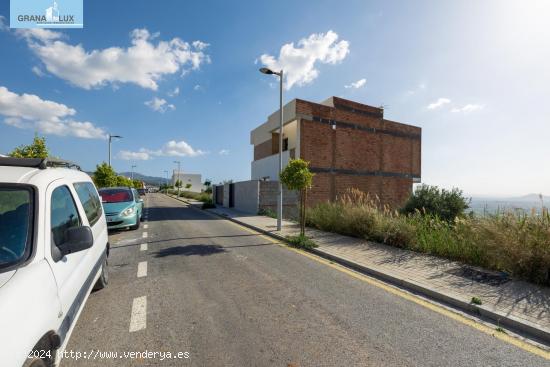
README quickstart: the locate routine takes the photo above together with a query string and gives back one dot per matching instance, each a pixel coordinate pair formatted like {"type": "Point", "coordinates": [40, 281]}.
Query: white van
{"type": "Point", "coordinates": [53, 252]}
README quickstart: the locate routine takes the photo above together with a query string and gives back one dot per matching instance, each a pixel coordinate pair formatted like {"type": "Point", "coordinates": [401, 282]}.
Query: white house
{"type": "Point", "coordinates": [195, 179]}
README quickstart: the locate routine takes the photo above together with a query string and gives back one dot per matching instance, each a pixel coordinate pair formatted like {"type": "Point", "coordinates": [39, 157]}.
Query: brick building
{"type": "Point", "coordinates": [348, 145]}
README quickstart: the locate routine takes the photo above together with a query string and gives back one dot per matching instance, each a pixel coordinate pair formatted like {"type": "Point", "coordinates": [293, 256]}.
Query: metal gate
{"type": "Point", "coordinates": [231, 195]}
{"type": "Point", "coordinates": [219, 195]}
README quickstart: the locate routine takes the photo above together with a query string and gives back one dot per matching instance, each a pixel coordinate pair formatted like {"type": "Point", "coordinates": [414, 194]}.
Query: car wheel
{"type": "Point", "coordinates": [103, 279]}
{"type": "Point", "coordinates": [135, 226]}
{"type": "Point", "coordinates": [35, 362]}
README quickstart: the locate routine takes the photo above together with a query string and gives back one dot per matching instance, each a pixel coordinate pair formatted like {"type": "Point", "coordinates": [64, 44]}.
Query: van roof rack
{"type": "Point", "coordinates": [40, 163]}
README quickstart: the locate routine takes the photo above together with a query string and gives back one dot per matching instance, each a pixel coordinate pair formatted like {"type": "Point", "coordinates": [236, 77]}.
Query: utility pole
{"type": "Point", "coordinates": [133, 166]}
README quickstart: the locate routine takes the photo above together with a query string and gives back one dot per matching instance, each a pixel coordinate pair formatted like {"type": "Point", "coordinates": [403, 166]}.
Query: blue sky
{"type": "Point", "coordinates": [474, 75]}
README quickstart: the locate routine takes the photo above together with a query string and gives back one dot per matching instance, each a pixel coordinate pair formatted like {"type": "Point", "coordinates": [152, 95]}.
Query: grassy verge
{"type": "Point", "coordinates": [518, 244]}
{"type": "Point", "coordinates": [204, 197]}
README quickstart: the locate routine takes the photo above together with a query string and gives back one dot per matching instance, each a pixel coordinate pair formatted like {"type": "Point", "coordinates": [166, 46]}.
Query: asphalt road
{"type": "Point", "coordinates": [229, 297]}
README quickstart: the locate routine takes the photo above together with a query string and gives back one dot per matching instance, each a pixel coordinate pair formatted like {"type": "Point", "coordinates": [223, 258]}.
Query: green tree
{"type": "Point", "coordinates": [178, 184]}
{"type": "Point", "coordinates": [105, 176]}
{"type": "Point", "coordinates": [297, 176]}
{"type": "Point", "coordinates": [37, 149]}
{"type": "Point", "coordinates": [137, 184]}
{"type": "Point", "coordinates": [188, 186]}
{"type": "Point", "coordinates": [124, 181]}
{"type": "Point", "coordinates": [431, 200]}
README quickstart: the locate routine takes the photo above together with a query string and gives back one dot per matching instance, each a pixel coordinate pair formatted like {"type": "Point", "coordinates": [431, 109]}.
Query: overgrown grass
{"type": "Point", "coordinates": [518, 244]}
{"type": "Point", "coordinates": [199, 196]}
{"type": "Point", "coordinates": [301, 241]}
{"type": "Point", "coordinates": [267, 212]}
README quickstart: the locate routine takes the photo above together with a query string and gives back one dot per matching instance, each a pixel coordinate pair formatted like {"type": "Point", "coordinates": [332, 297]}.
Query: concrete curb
{"type": "Point", "coordinates": [512, 323]}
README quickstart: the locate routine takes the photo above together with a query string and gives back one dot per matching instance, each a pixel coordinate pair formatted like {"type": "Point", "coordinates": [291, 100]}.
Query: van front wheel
{"type": "Point", "coordinates": [103, 279]}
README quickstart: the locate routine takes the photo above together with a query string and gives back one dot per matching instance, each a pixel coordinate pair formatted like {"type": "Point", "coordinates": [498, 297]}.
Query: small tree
{"type": "Point", "coordinates": [297, 176]}
{"type": "Point", "coordinates": [37, 149]}
{"type": "Point", "coordinates": [208, 186]}
{"type": "Point", "coordinates": [188, 186]}
{"type": "Point", "coordinates": [105, 176]}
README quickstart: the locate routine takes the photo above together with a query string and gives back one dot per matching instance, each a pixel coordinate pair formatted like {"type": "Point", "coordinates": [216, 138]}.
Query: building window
{"type": "Point", "coordinates": [285, 144]}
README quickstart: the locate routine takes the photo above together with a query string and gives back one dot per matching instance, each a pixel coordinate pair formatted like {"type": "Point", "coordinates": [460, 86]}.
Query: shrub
{"type": "Point", "coordinates": [267, 212]}
{"type": "Point", "coordinates": [199, 196]}
{"type": "Point", "coordinates": [208, 204]}
{"type": "Point", "coordinates": [433, 201]}
{"type": "Point", "coordinates": [301, 241]}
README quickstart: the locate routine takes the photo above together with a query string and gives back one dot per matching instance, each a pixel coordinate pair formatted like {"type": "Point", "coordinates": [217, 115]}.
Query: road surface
{"type": "Point", "coordinates": [214, 294]}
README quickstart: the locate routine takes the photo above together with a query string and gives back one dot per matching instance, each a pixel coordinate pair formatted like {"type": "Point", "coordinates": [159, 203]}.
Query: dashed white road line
{"type": "Point", "coordinates": [142, 269]}
{"type": "Point", "coordinates": [145, 235]}
{"type": "Point", "coordinates": [145, 226]}
{"type": "Point", "coordinates": [143, 247]}
{"type": "Point", "coordinates": [138, 319]}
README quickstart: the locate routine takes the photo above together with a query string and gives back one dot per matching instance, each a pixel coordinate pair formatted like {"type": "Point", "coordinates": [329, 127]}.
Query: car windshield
{"type": "Point", "coordinates": [115, 195]}
{"type": "Point", "coordinates": [15, 222]}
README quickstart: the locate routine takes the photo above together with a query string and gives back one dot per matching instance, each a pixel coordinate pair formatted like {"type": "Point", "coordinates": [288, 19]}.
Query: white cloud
{"type": "Point", "coordinates": [197, 87]}
{"type": "Point", "coordinates": [28, 111]}
{"type": "Point", "coordinates": [419, 88]}
{"type": "Point", "coordinates": [144, 63]}
{"type": "Point", "coordinates": [358, 84]}
{"type": "Point", "coordinates": [134, 156]}
{"type": "Point", "coordinates": [199, 45]}
{"type": "Point", "coordinates": [37, 71]}
{"type": "Point", "coordinates": [3, 25]}
{"type": "Point", "coordinates": [180, 149]}
{"type": "Point", "coordinates": [159, 105]}
{"type": "Point", "coordinates": [223, 152]}
{"type": "Point", "coordinates": [39, 34]}
{"type": "Point", "coordinates": [439, 103]}
{"type": "Point", "coordinates": [174, 92]}
{"type": "Point", "coordinates": [468, 108]}
{"type": "Point", "coordinates": [170, 149]}
{"type": "Point", "coordinates": [299, 62]}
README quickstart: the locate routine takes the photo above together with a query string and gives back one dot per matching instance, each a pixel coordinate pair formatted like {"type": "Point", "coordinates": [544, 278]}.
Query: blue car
{"type": "Point", "coordinates": [123, 207]}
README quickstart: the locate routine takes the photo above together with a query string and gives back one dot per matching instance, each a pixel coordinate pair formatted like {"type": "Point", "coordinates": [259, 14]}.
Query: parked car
{"type": "Point", "coordinates": [142, 192]}
{"type": "Point", "coordinates": [53, 252]}
{"type": "Point", "coordinates": [123, 207]}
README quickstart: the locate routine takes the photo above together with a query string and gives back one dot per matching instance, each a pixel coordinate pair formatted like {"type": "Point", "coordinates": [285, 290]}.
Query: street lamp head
{"type": "Point", "coordinates": [267, 71]}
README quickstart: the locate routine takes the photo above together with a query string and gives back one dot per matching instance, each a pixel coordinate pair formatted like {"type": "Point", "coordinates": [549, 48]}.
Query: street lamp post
{"type": "Point", "coordinates": [280, 198]}
{"type": "Point", "coordinates": [133, 166]}
{"type": "Point", "coordinates": [110, 139]}
{"type": "Point", "coordinates": [166, 183]}
{"type": "Point", "coordinates": [178, 176]}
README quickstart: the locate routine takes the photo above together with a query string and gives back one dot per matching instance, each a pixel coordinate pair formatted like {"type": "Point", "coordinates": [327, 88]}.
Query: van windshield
{"type": "Point", "coordinates": [15, 224]}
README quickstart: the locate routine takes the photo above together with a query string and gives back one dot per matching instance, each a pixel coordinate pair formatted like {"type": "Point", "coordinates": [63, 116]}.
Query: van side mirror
{"type": "Point", "coordinates": [78, 239]}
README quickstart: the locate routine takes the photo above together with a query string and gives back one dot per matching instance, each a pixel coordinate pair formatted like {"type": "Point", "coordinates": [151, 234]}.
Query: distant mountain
{"type": "Point", "coordinates": [525, 203]}
{"type": "Point", "coordinates": [530, 197]}
{"type": "Point", "coordinates": [149, 180]}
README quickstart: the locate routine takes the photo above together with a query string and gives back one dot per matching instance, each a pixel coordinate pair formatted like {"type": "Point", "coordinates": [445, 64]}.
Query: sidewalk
{"type": "Point", "coordinates": [515, 304]}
